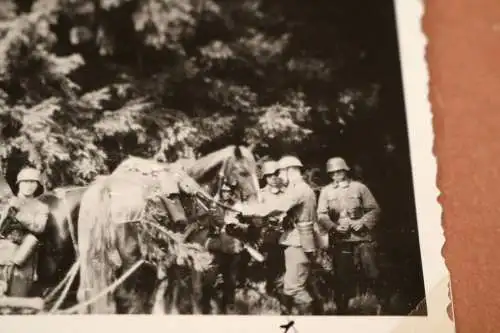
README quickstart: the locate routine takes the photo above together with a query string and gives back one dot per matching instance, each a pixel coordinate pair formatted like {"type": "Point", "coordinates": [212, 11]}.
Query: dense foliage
{"type": "Point", "coordinates": [83, 83]}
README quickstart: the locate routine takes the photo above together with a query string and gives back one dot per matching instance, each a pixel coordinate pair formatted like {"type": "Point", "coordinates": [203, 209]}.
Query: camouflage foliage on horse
{"type": "Point", "coordinates": [123, 218]}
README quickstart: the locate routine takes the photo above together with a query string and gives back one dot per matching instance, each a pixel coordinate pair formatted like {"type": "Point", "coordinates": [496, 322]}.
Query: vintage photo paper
{"type": "Point", "coordinates": [194, 165]}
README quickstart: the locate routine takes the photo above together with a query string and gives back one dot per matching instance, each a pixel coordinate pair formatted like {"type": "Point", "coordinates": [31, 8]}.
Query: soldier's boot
{"type": "Point", "coordinates": [286, 304]}
{"type": "Point", "coordinates": [304, 309]}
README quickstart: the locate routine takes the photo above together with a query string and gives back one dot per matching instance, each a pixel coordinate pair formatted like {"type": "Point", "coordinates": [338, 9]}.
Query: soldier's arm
{"type": "Point", "coordinates": [323, 218]}
{"type": "Point", "coordinates": [276, 205]}
{"type": "Point", "coordinates": [25, 250]}
{"type": "Point", "coordinates": [371, 208]}
{"type": "Point", "coordinates": [36, 225]}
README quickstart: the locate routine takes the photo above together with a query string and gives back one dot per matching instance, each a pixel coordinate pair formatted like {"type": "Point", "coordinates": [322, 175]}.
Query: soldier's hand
{"type": "Point", "coordinates": [356, 225]}
{"type": "Point", "coordinates": [342, 228]}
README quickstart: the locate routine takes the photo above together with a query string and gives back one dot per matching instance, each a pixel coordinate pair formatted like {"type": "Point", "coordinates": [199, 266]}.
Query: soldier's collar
{"type": "Point", "coordinates": [342, 184]}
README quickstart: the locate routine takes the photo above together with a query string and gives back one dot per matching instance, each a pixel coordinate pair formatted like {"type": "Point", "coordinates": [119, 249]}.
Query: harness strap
{"type": "Point", "coordinates": [71, 277]}
{"type": "Point", "coordinates": [109, 289]}
{"type": "Point", "coordinates": [61, 284]}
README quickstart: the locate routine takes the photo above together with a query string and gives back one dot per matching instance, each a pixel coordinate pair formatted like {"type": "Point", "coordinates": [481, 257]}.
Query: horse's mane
{"type": "Point", "coordinates": [207, 163]}
{"type": "Point", "coordinates": [135, 163]}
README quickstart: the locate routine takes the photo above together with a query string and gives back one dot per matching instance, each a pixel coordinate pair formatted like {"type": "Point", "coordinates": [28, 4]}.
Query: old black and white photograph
{"type": "Point", "coordinates": [212, 157]}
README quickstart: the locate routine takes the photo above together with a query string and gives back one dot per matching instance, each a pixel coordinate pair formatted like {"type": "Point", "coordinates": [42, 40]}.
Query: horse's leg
{"type": "Point", "coordinates": [197, 296]}
{"type": "Point", "coordinates": [159, 305]}
{"type": "Point", "coordinates": [135, 294]}
{"type": "Point", "coordinates": [175, 291]}
{"type": "Point", "coordinates": [228, 284]}
{"type": "Point", "coordinates": [202, 283]}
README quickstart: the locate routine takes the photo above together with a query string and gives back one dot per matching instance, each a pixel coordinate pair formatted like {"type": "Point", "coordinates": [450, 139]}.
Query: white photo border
{"type": "Point", "coordinates": [412, 44]}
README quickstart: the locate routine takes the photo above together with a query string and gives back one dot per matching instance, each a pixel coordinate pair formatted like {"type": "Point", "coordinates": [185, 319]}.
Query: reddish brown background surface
{"type": "Point", "coordinates": [464, 61]}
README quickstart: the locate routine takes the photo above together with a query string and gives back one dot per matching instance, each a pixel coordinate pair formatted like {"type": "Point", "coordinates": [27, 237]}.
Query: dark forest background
{"type": "Point", "coordinates": [84, 83]}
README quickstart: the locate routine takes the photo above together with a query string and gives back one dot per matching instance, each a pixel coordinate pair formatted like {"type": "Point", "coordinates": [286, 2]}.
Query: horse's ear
{"type": "Point", "coordinates": [238, 153]}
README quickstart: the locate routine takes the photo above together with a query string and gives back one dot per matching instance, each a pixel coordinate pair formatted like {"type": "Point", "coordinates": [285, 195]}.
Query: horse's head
{"type": "Point", "coordinates": [240, 170]}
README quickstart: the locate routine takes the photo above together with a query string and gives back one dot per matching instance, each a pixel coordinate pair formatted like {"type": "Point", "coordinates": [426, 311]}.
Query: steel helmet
{"type": "Point", "coordinates": [269, 167]}
{"type": "Point", "coordinates": [336, 164]}
{"type": "Point", "coordinates": [29, 174]}
{"type": "Point", "coordinates": [289, 161]}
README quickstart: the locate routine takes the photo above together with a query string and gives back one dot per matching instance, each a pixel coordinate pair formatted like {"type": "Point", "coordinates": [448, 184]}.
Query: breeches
{"type": "Point", "coordinates": [355, 259]}
{"type": "Point", "coordinates": [296, 275]}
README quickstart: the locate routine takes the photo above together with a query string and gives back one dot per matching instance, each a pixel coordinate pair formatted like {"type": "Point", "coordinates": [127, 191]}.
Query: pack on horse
{"type": "Point", "coordinates": [49, 251]}
{"type": "Point", "coordinates": [115, 242]}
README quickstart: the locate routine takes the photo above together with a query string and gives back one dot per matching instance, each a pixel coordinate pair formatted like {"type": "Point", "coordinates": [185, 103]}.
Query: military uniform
{"type": "Point", "coordinates": [297, 263]}
{"type": "Point", "coordinates": [21, 229]}
{"type": "Point", "coordinates": [299, 236]}
{"type": "Point", "coordinates": [340, 206]}
{"type": "Point", "coordinates": [227, 250]}
{"type": "Point", "coordinates": [271, 232]}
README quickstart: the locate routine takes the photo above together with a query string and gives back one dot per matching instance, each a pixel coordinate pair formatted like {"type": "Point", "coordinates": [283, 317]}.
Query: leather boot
{"type": "Point", "coordinates": [304, 309]}
{"type": "Point", "coordinates": [286, 304]}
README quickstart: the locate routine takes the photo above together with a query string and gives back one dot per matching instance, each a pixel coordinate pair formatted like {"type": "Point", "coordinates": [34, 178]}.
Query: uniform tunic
{"type": "Point", "coordinates": [354, 251]}
{"type": "Point", "coordinates": [271, 232]}
{"type": "Point", "coordinates": [272, 226]}
{"type": "Point", "coordinates": [349, 200]}
{"type": "Point", "coordinates": [299, 201]}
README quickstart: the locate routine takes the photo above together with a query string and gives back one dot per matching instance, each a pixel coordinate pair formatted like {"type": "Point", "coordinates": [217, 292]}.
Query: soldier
{"type": "Point", "coordinates": [272, 229]}
{"type": "Point", "coordinates": [348, 210]}
{"type": "Point", "coordinates": [299, 202]}
{"type": "Point", "coordinates": [228, 250]}
{"type": "Point", "coordinates": [22, 224]}
{"type": "Point", "coordinates": [270, 175]}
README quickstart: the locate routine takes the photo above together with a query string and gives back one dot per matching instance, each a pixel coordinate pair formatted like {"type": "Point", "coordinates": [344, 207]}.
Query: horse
{"type": "Point", "coordinates": [113, 240]}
